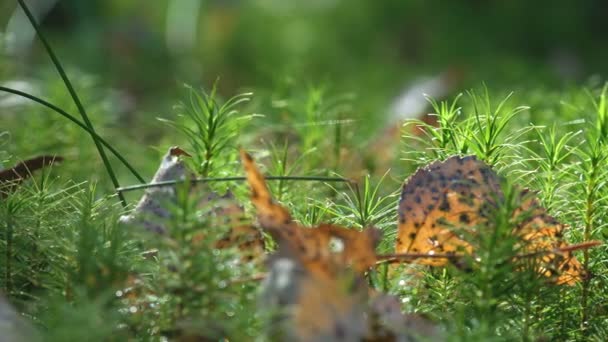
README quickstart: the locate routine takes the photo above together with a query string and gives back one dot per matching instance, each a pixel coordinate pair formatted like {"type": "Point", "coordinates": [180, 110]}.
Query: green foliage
{"type": "Point", "coordinates": [68, 264]}
{"type": "Point", "coordinates": [364, 206]}
{"type": "Point", "coordinates": [191, 291]}
{"type": "Point", "coordinates": [476, 129]}
{"type": "Point", "coordinates": [61, 241]}
{"type": "Point", "coordinates": [210, 128]}
{"type": "Point", "coordinates": [77, 274]}
{"type": "Point", "coordinates": [568, 168]}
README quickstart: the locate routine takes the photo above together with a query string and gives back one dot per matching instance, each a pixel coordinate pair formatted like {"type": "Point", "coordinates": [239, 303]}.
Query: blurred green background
{"type": "Point", "coordinates": [371, 47]}
{"type": "Point", "coordinates": [130, 59]}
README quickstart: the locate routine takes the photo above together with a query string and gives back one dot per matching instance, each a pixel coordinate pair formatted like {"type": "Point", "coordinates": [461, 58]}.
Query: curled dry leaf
{"type": "Point", "coordinates": [151, 209]}
{"type": "Point", "coordinates": [316, 279]}
{"type": "Point", "coordinates": [337, 309]}
{"type": "Point", "coordinates": [310, 306]}
{"type": "Point", "coordinates": [316, 276]}
{"type": "Point", "coordinates": [12, 177]}
{"type": "Point", "coordinates": [323, 249]}
{"type": "Point", "coordinates": [442, 201]}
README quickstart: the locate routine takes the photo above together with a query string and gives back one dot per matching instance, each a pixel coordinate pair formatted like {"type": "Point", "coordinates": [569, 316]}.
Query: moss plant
{"type": "Point", "coordinates": [74, 272]}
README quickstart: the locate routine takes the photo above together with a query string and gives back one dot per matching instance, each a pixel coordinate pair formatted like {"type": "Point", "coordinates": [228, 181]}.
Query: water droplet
{"type": "Point", "coordinates": [336, 245]}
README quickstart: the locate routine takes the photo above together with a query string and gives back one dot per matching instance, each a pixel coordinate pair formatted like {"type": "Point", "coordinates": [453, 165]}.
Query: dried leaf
{"type": "Point", "coordinates": [151, 209]}
{"type": "Point", "coordinates": [457, 195]}
{"type": "Point", "coordinates": [11, 178]}
{"type": "Point", "coordinates": [311, 305]}
{"type": "Point", "coordinates": [317, 274]}
{"type": "Point", "coordinates": [323, 249]}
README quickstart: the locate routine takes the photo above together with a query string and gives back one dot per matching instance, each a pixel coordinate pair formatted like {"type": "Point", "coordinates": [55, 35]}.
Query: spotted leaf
{"type": "Point", "coordinates": [446, 203]}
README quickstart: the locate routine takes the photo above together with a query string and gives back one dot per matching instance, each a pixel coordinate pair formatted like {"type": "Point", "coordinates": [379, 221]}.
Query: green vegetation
{"type": "Point", "coordinates": [313, 107]}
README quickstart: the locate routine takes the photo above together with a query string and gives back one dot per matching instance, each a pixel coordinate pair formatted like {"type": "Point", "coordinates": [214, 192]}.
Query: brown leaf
{"type": "Point", "coordinates": [458, 195]}
{"type": "Point", "coordinates": [11, 178]}
{"type": "Point", "coordinates": [316, 274]}
{"type": "Point", "coordinates": [323, 249]}
{"type": "Point", "coordinates": [151, 211]}
{"type": "Point", "coordinates": [314, 306]}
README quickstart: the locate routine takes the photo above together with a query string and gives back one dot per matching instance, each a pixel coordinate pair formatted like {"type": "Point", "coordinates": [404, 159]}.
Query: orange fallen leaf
{"type": "Point", "coordinates": [322, 249]}
{"type": "Point", "coordinates": [316, 273]}
{"type": "Point", "coordinates": [448, 199]}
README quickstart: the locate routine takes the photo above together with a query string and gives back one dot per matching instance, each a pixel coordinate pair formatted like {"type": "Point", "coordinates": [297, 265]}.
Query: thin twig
{"type": "Point", "coordinates": [559, 250]}
{"type": "Point", "coordinates": [229, 179]}
{"type": "Point", "coordinates": [399, 257]}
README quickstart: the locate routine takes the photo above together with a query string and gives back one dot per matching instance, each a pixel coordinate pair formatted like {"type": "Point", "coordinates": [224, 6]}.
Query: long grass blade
{"type": "Point", "coordinates": [79, 124]}
{"type": "Point", "coordinates": [75, 98]}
